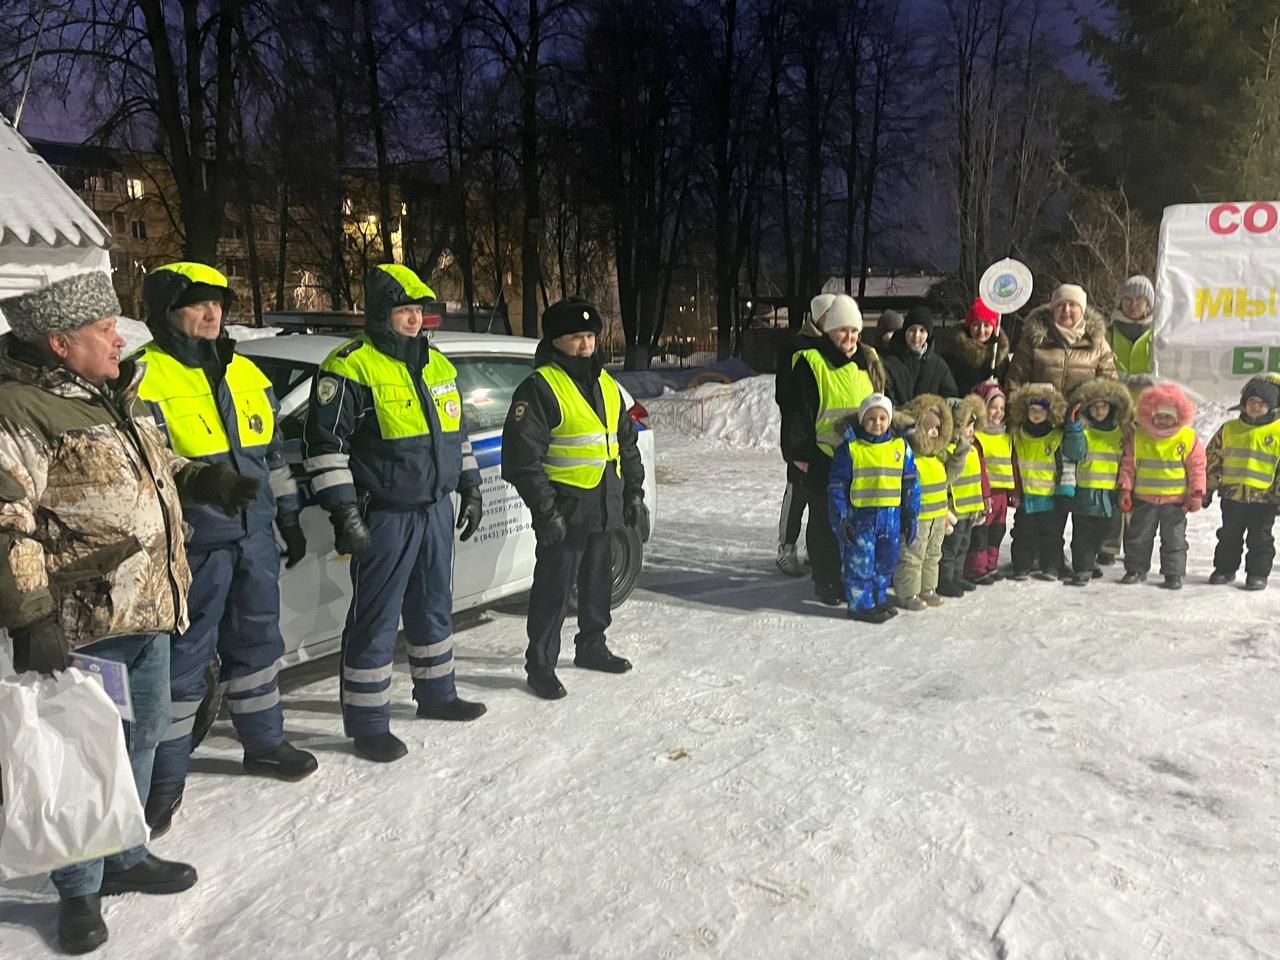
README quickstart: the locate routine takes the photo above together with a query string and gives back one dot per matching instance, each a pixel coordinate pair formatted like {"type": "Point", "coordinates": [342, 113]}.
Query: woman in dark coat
{"type": "Point", "coordinates": [912, 365]}
{"type": "Point", "coordinates": [977, 351]}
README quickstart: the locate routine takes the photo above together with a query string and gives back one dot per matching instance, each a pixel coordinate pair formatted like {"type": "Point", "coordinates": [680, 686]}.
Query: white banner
{"type": "Point", "coordinates": [1217, 319]}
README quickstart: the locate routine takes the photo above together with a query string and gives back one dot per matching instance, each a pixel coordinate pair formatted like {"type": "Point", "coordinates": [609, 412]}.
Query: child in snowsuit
{"type": "Point", "coordinates": [995, 445]}
{"type": "Point", "coordinates": [969, 492]}
{"type": "Point", "coordinates": [1041, 447]}
{"type": "Point", "coordinates": [1162, 479]}
{"type": "Point", "coordinates": [1241, 466]}
{"type": "Point", "coordinates": [1104, 408]}
{"type": "Point", "coordinates": [874, 500]}
{"type": "Point", "coordinates": [926, 424]}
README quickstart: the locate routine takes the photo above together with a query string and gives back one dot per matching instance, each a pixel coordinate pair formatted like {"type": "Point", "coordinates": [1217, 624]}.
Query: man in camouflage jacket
{"type": "Point", "coordinates": [91, 539]}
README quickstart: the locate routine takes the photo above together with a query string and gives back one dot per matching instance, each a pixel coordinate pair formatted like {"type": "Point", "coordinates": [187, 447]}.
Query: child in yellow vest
{"type": "Point", "coordinates": [995, 445]}
{"type": "Point", "coordinates": [1041, 446]}
{"type": "Point", "coordinates": [1241, 466]}
{"type": "Point", "coordinates": [925, 422]}
{"type": "Point", "coordinates": [1162, 479]}
{"type": "Point", "coordinates": [1104, 408]}
{"type": "Point", "coordinates": [969, 492]}
{"type": "Point", "coordinates": [874, 500]}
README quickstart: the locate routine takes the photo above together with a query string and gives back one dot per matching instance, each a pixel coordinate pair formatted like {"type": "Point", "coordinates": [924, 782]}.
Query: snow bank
{"type": "Point", "coordinates": [741, 414]}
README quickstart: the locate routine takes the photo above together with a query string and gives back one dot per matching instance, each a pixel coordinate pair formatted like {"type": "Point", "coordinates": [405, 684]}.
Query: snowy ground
{"type": "Point", "coordinates": [1033, 773]}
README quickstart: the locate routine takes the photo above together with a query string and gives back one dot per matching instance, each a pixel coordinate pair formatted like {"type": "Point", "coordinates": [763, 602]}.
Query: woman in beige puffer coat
{"type": "Point", "coordinates": [1063, 343]}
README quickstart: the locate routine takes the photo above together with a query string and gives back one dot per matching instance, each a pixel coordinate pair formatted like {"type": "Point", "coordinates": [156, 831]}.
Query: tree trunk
{"type": "Point", "coordinates": [378, 122]}
{"type": "Point", "coordinates": [530, 179]}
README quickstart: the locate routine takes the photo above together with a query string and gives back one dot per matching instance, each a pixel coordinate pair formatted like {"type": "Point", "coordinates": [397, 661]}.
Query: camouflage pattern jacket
{"type": "Point", "coordinates": [90, 520]}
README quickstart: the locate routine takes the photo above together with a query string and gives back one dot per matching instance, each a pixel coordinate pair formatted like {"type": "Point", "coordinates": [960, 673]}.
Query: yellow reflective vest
{"type": "Point", "coordinates": [966, 491]}
{"type": "Point", "coordinates": [933, 487]}
{"type": "Point", "coordinates": [1160, 468]}
{"type": "Point", "coordinates": [841, 391]}
{"type": "Point", "coordinates": [1101, 465]}
{"type": "Point", "coordinates": [1250, 454]}
{"type": "Point", "coordinates": [997, 455]}
{"type": "Point", "coordinates": [396, 401]}
{"type": "Point", "coordinates": [190, 409]}
{"type": "Point", "coordinates": [1037, 462]}
{"type": "Point", "coordinates": [877, 472]}
{"type": "Point", "coordinates": [1131, 356]}
{"type": "Point", "coordinates": [581, 445]}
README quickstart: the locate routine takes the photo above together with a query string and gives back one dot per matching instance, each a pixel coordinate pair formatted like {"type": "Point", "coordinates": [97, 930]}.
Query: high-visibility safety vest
{"type": "Point", "coordinates": [933, 487]}
{"type": "Point", "coordinates": [1037, 462]}
{"type": "Point", "coordinates": [1160, 468]}
{"type": "Point", "coordinates": [397, 402]}
{"type": "Point", "coordinates": [1100, 467]}
{"type": "Point", "coordinates": [581, 445]}
{"type": "Point", "coordinates": [841, 391]}
{"type": "Point", "coordinates": [1250, 454]}
{"type": "Point", "coordinates": [190, 409]}
{"type": "Point", "coordinates": [1131, 356]}
{"type": "Point", "coordinates": [966, 491]}
{"type": "Point", "coordinates": [877, 472]}
{"type": "Point", "coordinates": [997, 454]}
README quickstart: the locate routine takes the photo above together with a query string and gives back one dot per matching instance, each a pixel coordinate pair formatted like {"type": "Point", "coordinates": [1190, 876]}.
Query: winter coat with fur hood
{"type": "Point", "coordinates": [1042, 356]}
{"type": "Point", "coordinates": [1089, 501]}
{"type": "Point", "coordinates": [1073, 448]}
{"type": "Point", "coordinates": [1162, 394]}
{"type": "Point", "coordinates": [906, 423]}
{"type": "Point", "coordinates": [972, 362]}
{"type": "Point", "coordinates": [970, 409]}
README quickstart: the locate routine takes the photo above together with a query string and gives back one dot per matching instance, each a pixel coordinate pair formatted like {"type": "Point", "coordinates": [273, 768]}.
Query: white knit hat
{"type": "Point", "coordinates": [841, 313]}
{"type": "Point", "coordinates": [873, 401]}
{"type": "Point", "coordinates": [1071, 293]}
{"type": "Point", "coordinates": [1138, 286]}
{"type": "Point", "coordinates": [819, 304]}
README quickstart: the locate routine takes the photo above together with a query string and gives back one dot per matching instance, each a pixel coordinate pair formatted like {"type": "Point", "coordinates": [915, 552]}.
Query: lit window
{"type": "Point", "coordinates": [136, 188]}
{"type": "Point", "coordinates": [347, 206]}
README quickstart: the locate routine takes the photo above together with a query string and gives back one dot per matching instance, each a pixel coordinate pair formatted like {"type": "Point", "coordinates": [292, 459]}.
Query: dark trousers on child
{"type": "Point", "coordinates": [1087, 534]}
{"type": "Point", "coordinates": [1246, 524]}
{"type": "Point", "coordinates": [1140, 538]}
{"type": "Point", "coordinates": [954, 550]}
{"type": "Point", "coordinates": [1037, 537]}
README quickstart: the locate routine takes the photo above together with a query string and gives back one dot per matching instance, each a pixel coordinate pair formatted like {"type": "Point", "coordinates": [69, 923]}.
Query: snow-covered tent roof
{"type": "Point", "coordinates": [36, 205]}
{"type": "Point", "coordinates": [878, 285]}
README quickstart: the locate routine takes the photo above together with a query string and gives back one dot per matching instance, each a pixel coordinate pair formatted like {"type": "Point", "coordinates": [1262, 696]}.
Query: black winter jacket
{"type": "Point", "coordinates": [799, 436]}
{"type": "Point", "coordinates": [527, 434]}
{"type": "Point", "coordinates": [911, 375]}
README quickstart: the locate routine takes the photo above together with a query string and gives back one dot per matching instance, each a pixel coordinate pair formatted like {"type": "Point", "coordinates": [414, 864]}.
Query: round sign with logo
{"type": "Point", "coordinates": [1006, 286]}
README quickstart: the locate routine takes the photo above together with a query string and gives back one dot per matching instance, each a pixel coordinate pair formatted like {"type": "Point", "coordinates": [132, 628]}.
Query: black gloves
{"type": "Point", "coordinates": [295, 541]}
{"type": "Point", "coordinates": [40, 646]}
{"type": "Point", "coordinates": [470, 512]}
{"type": "Point", "coordinates": [350, 535]}
{"type": "Point", "coordinates": [217, 485]}
{"type": "Point", "coordinates": [636, 515]}
{"type": "Point", "coordinates": [550, 528]}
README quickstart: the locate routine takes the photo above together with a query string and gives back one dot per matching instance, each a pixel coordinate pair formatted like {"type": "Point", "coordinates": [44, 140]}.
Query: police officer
{"type": "Point", "coordinates": [569, 449]}
{"type": "Point", "coordinates": [218, 407]}
{"type": "Point", "coordinates": [385, 446]}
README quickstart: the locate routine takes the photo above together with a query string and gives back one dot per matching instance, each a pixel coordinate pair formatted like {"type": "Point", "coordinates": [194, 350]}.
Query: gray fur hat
{"type": "Point", "coordinates": [64, 305]}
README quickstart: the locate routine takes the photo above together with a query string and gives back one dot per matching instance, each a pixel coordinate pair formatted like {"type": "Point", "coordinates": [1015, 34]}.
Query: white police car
{"type": "Point", "coordinates": [495, 563]}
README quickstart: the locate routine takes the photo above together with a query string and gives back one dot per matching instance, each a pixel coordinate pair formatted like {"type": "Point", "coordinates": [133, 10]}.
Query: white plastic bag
{"type": "Point", "coordinates": [69, 794]}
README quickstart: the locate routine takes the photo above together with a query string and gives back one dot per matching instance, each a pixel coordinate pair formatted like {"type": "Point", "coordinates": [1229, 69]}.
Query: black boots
{"type": "Point", "coordinates": [545, 684]}
{"type": "Point", "coordinates": [600, 657]}
{"type": "Point", "coordinates": [949, 589]}
{"type": "Point", "coordinates": [1255, 581]}
{"type": "Point", "coordinates": [150, 875]}
{"type": "Point", "coordinates": [380, 747]}
{"type": "Point", "coordinates": [162, 803]}
{"type": "Point", "coordinates": [831, 594]}
{"type": "Point", "coordinates": [1219, 577]}
{"type": "Point", "coordinates": [81, 928]}
{"type": "Point", "coordinates": [456, 709]}
{"type": "Point", "coordinates": [284, 762]}
{"type": "Point", "coordinates": [1172, 582]}
{"type": "Point", "coordinates": [1133, 576]}
{"type": "Point", "coordinates": [873, 615]}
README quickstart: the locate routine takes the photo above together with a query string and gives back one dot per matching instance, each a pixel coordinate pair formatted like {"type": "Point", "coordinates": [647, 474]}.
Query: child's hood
{"type": "Point", "coordinates": [1112, 392]}
{"type": "Point", "coordinates": [1164, 395]}
{"type": "Point", "coordinates": [1019, 403]}
{"type": "Point", "coordinates": [967, 410]}
{"type": "Point", "coordinates": [912, 413]}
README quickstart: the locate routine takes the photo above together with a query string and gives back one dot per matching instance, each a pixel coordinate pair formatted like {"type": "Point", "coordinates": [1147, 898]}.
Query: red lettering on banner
{"type": "Point", "coordinates": [1216, 215]}
{"type": "Point", "coordinates": [1270, 217]}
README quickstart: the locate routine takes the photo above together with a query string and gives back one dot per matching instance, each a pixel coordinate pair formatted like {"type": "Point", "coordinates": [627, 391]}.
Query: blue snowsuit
{"type": "Point", "coordinates": [870, 537]}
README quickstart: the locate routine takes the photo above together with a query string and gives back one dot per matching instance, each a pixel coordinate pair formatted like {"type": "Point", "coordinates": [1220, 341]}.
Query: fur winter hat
{"type": "Point", "coordinates": [1020, 402]}
{"type": "Point", "coordinates": [877, 401]}
{"type": "Point", "coordinates": [920, 412]}
{"type": "Point", "coordinates": [570, 315]}
{"type": "Point", "coordinates": [1070, 293]}
{"type": "Point", "coordinates": [841, 313]}
{"type": "Point", "coordinates": [63, 305]}
{"type": "Point", "coordinates": [967, 410]}
{"type": "Point", "coordinates": [1265, 389]}
{"type": "Point", "coordinates": [890, 320]}
{"type": "Point", "coordinates": [1164, 396]}
{"type": "Point", "coordinates": [1138, 286]}
{"type": "Point", "coordinates": [980, 314]}
{"type": "Point", "coordinates": [1107, 391]}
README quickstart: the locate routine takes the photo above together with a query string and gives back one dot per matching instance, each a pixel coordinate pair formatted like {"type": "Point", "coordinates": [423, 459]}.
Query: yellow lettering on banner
{"type": "Point", "coordinates": [1247, 306]}
{"type": "Point", "coordinates": [1212, 304]}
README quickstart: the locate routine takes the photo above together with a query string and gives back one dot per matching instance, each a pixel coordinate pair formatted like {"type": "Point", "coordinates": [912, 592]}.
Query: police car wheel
{"type": "Point", "coordinates": [210, 706]}
{"type": "Point", "coordinates": [628, 556]}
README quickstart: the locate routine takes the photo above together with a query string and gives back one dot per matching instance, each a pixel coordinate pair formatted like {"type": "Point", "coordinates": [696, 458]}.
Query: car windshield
{"type": "Point", "coordinates": [485, 381]}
